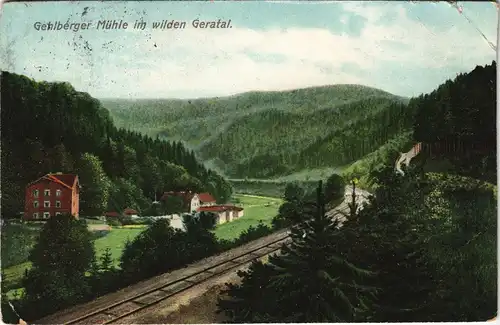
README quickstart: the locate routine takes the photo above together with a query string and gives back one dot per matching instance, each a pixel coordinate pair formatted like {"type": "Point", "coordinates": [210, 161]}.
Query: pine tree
{"type": "Point", "coordinates": [309, 282]}
{"type": "Point", "coordinates": [60, 259]}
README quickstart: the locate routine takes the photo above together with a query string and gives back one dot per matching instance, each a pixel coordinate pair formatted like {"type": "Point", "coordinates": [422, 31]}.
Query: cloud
{"type": "Point", "coordinates": [194, 62]}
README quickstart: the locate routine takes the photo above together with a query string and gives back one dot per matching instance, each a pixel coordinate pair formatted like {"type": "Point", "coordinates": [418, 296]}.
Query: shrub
{"type": "Point", "coordinates": [113, 222]}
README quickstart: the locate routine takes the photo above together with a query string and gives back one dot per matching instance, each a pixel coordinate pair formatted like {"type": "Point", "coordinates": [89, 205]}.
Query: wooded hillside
{"type": "Point", "coordinates": [267, 134]}
{"type": "Point", "coordinates": [51, 127]}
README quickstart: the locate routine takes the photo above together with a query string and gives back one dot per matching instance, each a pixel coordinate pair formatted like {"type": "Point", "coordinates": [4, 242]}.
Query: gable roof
{"type": "Point", "coordinates": [129, 211]}
{"type": "Point", "coordinates": [206, 197]}
{"type": "Point", "coordinates": [66, 180]}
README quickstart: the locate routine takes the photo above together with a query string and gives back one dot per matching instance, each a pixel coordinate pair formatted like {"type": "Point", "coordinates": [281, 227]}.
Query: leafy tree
{"type": "Point", "coordinates": [293, 192]}
{"type": "Point", "coordinates": [157, 249]}
{"type": "Point", "coordinates": [334, 187]}
{"type": "Point", "coordinates": [173, 204]}
{"type": "Point", "coordinates": [201, 240]}
{"type": "Point", "coordinates": [60, 259]}
{"type": "Point", "coordinates": [95, 185]}
{"type": "Point", "coordinates": [51, 125]}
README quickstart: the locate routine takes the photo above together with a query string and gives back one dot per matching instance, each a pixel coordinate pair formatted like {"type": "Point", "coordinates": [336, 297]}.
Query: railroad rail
{"type": "Point", "coordinates": [129, 306]}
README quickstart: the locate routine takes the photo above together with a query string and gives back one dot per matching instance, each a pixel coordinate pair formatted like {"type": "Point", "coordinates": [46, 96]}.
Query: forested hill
{"type": "Point", "coordinates": [265, 134]}
{"type": "Point", "coordinates": [459, 120]}
{"type": "Point", "coordinates": [51, 127]}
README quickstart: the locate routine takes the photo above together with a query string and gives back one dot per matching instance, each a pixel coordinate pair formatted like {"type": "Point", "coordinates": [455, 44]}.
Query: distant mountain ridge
{"type": "Point", "coordinates": [240, 131]}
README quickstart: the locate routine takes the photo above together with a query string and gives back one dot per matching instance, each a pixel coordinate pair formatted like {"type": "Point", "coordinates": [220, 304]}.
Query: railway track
{"type": "Point", "coordinates": [126, 307]}
{"type": "Point", "coordinates": [121, 309]}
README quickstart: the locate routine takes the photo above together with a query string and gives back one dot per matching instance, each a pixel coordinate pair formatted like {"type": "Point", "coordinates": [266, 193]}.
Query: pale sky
{"type": "Point", "coordinates": [400, 47]}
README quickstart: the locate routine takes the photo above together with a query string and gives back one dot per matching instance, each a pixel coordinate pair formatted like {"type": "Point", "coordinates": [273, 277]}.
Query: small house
{"type": "Point", "coordinates": [224, 213]}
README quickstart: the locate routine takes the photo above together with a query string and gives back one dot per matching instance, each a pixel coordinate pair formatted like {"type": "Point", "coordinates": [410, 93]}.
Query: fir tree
{"type": "Point", "coordinates": [310, 281]}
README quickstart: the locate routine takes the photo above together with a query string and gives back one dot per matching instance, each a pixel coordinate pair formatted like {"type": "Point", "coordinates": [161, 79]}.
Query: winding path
{"type": "Point", "coordinates": [406, 157]}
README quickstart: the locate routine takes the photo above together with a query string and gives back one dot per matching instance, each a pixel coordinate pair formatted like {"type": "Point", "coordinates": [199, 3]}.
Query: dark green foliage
{"type": "Point", "coordinates": [157, 249]}
{"type": "Point", "coordinates": [173, 205]}
{"type": "Point", "coordinates": [60, 259]}
{"type": "Point", "coordinates": [293, 192]}
{"type": "Point", "coordinates": [104, 276]}
{"type": "Point", "coordinates": [334, 187]}
{"type": "Point", "coordinates": [256, 134]}
{"type": "Point", "coordinates": [310, 282]}
{"type": "Point", "coordinates": [297, 206]}
{"type": "Point", "coordinates": [95, 185]}
{"type": "Point", "coordinates": [17, 241]}
{"type": "Point", "coordinates": [266, 187]}
{"type": "Point", "coordinates": [465, 257]}
{"type": "Point", "coordinates": [458, 120]}
{"type": "Point", "coordinates": [253, 233]}
{"type": "Point", "coordinates": [432, 240]}
{"type": "Point", "coordinates": [47, 127]}
{"type": "Point", "coordinates": [113, 222]}
{"type": "Point", "coordinates": [201, 241]}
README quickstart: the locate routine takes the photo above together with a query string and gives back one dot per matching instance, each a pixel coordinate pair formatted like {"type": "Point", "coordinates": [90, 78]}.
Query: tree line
{"type": "Point", "coordinates": [423, 250]}
{"type": "Point", "coordinates": [66, 271]}
{"type": "Point", "coordinates": [459, 120]}
{"type": "Point", "coordinates": [50, 127]}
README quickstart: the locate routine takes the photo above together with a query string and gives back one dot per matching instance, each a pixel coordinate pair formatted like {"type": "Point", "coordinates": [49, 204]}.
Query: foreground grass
{"type": "Point", "coordinates": [256, 209]}
{"type": "Point", "coordinates": [115, 240]}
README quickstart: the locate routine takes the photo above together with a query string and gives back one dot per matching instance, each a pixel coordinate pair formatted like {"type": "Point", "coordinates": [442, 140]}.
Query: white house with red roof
{"type": "Point", "coordinates": [192, 201]}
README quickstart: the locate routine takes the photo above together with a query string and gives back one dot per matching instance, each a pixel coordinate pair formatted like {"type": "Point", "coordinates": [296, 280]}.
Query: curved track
{"type": "Point", "coordinates": [127, 307]}
{"type": "Point", "coordinates": [115, 312]}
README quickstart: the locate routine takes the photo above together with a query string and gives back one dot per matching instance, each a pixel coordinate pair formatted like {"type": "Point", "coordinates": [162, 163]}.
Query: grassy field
{"type": "Point", "coordinates": [256, 208]}
{"type": "Point", "coordinates": [116, 240]}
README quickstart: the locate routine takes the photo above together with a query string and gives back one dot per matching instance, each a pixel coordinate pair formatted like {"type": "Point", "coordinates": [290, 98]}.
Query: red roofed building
{"type": "Point", "coordinates": [225, 213]}
{"type": "Point", "coordinates": [51, 195]}
{"type": "Point", "coordinates": [130, 212]}
{"type": "Point", "coordinates": [206, 199]}
{"type": "Point", "coordinates": [112, 214]}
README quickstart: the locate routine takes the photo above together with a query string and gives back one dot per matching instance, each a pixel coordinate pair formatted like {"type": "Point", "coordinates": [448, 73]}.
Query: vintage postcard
{"type": "Point", "coordinates": [248, 162]}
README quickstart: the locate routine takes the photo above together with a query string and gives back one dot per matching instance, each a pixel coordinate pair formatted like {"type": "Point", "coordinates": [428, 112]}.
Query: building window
{"type": "Point", "coordinates": [46, 204]}
{"type": "Point", "coordinates": [35, 204]}
{"type": "Point", "coordinates": [35, 193]}
{"type": "Point", "coordinates": [46, 215]}
{"type": "Point", "coordinates": [35, 215]}
{"type": "Point", "coordinates": [58, 204]}
{"type": "Point", "coordinates": [58, 213]}
{"type": "Point", "coordinates": [46, 192]}
{"type": "Point", "coordinates": [58, 192]}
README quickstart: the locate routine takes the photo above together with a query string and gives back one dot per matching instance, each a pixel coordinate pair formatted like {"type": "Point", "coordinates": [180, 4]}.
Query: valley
{"type": "Point", "coordinates": [274, 135]}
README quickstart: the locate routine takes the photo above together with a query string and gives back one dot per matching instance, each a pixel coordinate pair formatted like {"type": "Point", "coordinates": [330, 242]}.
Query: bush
{"type": "Point", "coordinates": [157, 249]}
{"type": "Point", "coordinates": [113, 222]}
{"type": "Point", "coordinates": [17, 240]}
{"type": "Point", "coordinates": [99, 234]}
{"type": "Point", "coordinates": [253, 233]}
{"type": "Point", "coordinates": [60, 259]}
